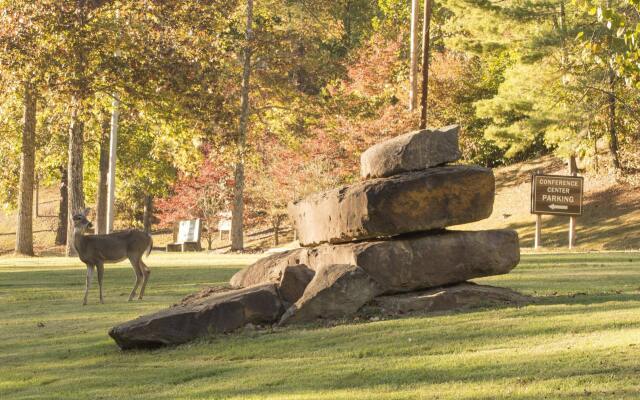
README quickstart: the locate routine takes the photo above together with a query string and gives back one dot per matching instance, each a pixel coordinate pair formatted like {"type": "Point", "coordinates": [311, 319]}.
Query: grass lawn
{"type": "Point", "coordinates": [581, 340]}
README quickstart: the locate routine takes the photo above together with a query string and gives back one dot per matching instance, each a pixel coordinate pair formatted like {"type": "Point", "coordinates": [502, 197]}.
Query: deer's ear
{"type": "Point", "coordinates": [86, 211]}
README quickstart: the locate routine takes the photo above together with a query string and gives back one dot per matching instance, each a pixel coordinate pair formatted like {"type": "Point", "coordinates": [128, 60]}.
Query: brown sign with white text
{"type": "Point", "coordinates": [555, 194]}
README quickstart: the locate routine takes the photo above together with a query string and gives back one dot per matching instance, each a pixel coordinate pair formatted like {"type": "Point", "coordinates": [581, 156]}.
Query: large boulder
{"type": "Point", "coordinates": [219, 313]}
{"type": "Point", "coordinates": [411, 152]}
{"type": "Point", "coordinates": [385, 207]}
{"type": "Point", "coordinates": [336, 291]}
{"type": "Point", "coordinates": [427, 260]}
{"type": "Point", "coordinates": [405, 263]}
{"type": "Point", "coordinates": [463, 296]}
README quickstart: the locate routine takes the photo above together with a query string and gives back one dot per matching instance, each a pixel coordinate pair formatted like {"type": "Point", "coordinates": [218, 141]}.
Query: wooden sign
{"type": "Point", "coordinates": [556, 194]}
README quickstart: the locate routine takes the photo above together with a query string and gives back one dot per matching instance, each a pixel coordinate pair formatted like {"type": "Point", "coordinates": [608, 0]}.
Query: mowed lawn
{"type": "Point", "coordinates": [581, 340]}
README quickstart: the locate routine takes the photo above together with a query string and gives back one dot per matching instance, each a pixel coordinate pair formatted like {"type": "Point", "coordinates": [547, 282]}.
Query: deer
{"type": "Point", "coordinates": [97, 250]}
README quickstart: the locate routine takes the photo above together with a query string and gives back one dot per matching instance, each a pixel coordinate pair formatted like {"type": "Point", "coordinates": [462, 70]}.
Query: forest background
{"type": "Point", "coordinates": [209, 109]}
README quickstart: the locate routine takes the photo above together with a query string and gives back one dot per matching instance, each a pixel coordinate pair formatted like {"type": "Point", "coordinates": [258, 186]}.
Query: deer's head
{"type": "Point", "coordinates": [80, 221]}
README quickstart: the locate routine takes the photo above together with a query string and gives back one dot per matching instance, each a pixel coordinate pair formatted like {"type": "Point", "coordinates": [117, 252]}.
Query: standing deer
{"type": "Point", "coordinates": [96, 250]}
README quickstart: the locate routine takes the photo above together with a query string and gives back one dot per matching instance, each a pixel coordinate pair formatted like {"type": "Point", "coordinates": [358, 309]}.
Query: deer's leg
{"type": "Point", "coordinates": [146, 272]}
{"type": "Point", "coordinates": [88, 284]}
{"type": "Point", "coordinates": [136, 269]}
{"type": "Point", "coordinates": [100, 268]}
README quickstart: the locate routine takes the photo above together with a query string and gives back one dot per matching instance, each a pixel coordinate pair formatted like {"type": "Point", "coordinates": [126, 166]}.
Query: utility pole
{"type": "Point", "coordinates": [425, 62]}
{"type": "Point", "coordinates": [113, 145]}
{"type": "Point", "coordinates": [413, 74]}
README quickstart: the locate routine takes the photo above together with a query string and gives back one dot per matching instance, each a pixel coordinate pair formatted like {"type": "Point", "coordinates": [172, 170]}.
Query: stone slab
{"type": "Point", "coordinates": [412, 202]}
{"type": "Point", "coordinates": [411, 152]}
{"type": "Point", "coordinates": [219, 313]}
{"type": "Point", "coordinates": [427, 260]}
{"type": "Point", "coordinates": [406, 263]}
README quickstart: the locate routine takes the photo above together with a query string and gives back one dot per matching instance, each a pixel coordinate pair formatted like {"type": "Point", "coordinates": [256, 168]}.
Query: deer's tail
{"type": "Point", "coordinates": [150, 244]}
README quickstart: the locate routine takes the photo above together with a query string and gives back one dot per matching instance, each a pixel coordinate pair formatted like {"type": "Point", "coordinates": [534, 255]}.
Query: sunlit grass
{"type": "Point", "coordinates": [580, 340]}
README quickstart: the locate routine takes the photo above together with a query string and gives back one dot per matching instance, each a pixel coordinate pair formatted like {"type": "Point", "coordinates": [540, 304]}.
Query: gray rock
{"type": "Point", "coordinates": [386, 207]}
{"type": "Point", "coordinates": [452, 298]}
{"type": "Point", "coordinates": [405, 263]}
{"type": "Point", "coordinates": [222, 312]}
{"type": "Point", "coordinates": [294, 281]}
{"type": "Point", "coordinates": [336, 291]}
{"type": "Point", "coordinates": [286, 270]}
{"type": "Point", "coordinates": [411, 152]}
{"type": "Point", "coordinates": [427, 260]}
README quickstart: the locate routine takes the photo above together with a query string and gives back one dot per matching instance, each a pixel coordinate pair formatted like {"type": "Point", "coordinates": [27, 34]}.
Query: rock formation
{"type": "Point", "coordinates": [379, 244]}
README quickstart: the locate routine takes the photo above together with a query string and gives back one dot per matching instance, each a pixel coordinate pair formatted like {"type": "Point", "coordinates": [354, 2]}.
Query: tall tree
{"type": "Point", "coordinates": [24, 227]}
{"type": "Point", "coordinates": [22, 52]}
{"type": "Point", "coordinates": [237, 217]}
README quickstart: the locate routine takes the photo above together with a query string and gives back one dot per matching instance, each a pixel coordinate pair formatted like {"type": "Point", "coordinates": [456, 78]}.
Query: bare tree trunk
{"type": "Point", "coordinates": [24, 228]}
{"type": "Point", "coordinates": [61, 232]}
{"type": "Point", "coordinates": [148, 213]}
{"type": "Point", "coordinates": [75, 168]}
{"type": "Point", "coordinates": [413, 71]}
{"type": "Point", "coordinates": [426, 45]}
{"type": "Point", "coordinates": [237, 239]}
{"type": "Point", "coordinates": [101, 197]}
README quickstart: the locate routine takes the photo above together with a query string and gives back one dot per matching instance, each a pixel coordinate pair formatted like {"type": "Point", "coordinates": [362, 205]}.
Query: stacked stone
{"type": "Point", "coordinates": [386, 235]}
{"type": "Point", "coordinates": [379, 242]}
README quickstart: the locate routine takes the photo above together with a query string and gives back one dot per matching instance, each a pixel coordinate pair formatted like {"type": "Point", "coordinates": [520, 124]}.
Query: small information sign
{"type": "Point", "coordinates": [556, 194]}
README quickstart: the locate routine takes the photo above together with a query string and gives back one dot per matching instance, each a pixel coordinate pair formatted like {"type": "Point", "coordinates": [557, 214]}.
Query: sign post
{"type": "Point", "coordinates": [556, 195]}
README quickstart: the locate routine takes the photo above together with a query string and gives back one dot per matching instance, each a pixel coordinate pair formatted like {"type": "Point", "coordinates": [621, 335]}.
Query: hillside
{"type": "Point", "coordinates": [611, 219]}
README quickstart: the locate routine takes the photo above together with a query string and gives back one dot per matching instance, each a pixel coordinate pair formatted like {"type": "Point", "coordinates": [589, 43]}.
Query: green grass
{"type": "Point", "coordinates": [581, 340]}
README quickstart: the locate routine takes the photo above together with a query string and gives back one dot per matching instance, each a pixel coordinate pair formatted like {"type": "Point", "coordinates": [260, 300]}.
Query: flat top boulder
{"type": "Point", "coordinates": [411, 152]}
{"type": "Point", "coordinates": [403, 264]}
{"type": "Point", "coordinates": [411, 202]}
{"type": "Point", "coordinates": [424, 261]}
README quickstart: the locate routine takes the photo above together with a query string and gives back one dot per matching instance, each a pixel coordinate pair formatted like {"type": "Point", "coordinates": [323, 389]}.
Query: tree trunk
{"type": "Point", "coordinates": [237, 239]}
{"type": "Point", "coordinates": [573, 166]}
{"type": "Point", "coordinates": [76, 161]}
{"type": "Point", "coordinates": [413, 71]}
{"type": "Point", "coordinates": [148, 213]}
{"type": "Point", "coordinates": [61, 232]}
{"type": "Point", "coordinates": [24, 228]}
{"type": "Point", "coordinates": [611, 98]}
{"type": "Point", "coordinates": [103, 175]}
{"type": "Point", "coordinates": [613, 134]}
{"type": "Point", "coordinates": [426, 45]}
